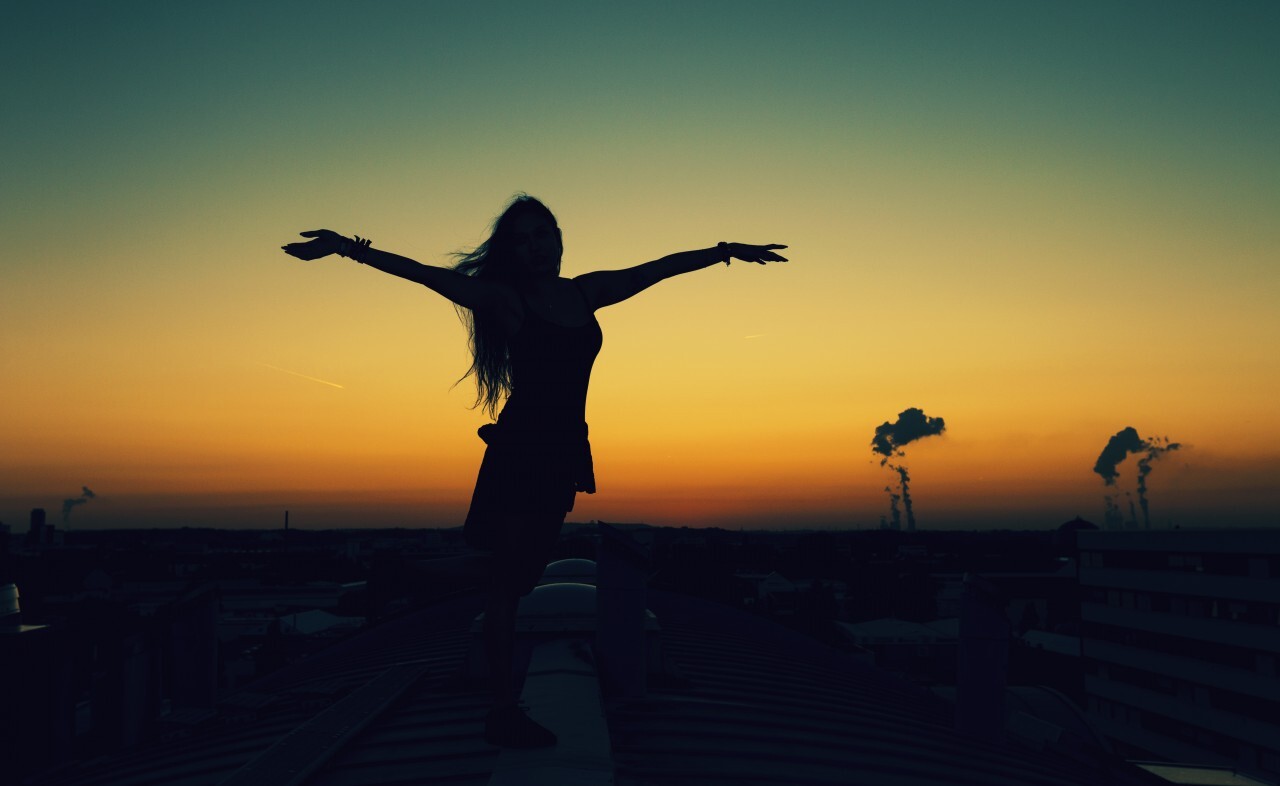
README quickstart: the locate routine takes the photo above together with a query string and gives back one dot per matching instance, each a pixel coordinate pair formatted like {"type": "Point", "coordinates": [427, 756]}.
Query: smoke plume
{"type": "Point", "coordinates": [1155, 449]}
{"type": "Point", "coordinates": [896, 521]}
{"type": "Point", "coordinates": [1118, 448]}
{"type": "Point", "coordinates": [912, 424]}
{"type": "Point", "coordinates": [69, 503]}
{"type": "Point", "coordinates": [904, 481]}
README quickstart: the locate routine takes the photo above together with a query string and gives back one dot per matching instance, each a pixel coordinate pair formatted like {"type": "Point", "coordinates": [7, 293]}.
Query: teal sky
{"type": "Point", "coordinates": [1043, 221]}
{"type": "Point", "coordinates": [103, 98]}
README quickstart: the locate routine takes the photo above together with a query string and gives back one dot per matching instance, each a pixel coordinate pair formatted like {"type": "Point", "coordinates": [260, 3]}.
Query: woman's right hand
{"type": "Point", "coordinates": [326, 242]}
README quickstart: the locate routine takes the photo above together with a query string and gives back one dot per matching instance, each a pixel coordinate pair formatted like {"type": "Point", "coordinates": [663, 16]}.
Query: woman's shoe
{"type": "Point", "coordinates": [510, 727]}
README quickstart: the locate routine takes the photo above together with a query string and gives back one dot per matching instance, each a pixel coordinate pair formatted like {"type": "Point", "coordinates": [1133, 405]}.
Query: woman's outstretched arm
{"type": "Point", "coordinates": [606, 287]}
{"type": "Point", "coordinates": [464, 290]}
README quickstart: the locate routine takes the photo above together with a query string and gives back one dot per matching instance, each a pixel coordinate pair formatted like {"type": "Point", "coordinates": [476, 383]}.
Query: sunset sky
{"type": "Point", "coordinates": [1043, 222]}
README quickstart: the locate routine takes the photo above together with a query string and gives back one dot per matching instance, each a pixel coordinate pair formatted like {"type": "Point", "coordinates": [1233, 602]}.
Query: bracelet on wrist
{"type": "Point", "coordinates": [351, 248]}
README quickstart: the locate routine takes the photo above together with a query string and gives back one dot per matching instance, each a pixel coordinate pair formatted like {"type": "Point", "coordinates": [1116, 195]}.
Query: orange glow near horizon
{"type": "Point", "coordinates": [1035, 234]}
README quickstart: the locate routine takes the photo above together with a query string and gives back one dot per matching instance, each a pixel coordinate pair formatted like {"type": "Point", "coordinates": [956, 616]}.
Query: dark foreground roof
{"type": "Point", "coordinates": [429, 734]}
{"type": "Point", "coordinates": [749, 702]}
{"type": "Point", "coordinates": [766, 705]}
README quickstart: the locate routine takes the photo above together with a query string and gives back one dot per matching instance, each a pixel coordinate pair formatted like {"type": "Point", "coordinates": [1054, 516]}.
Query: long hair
{"type": "Point", "coordinates": [491, 260]}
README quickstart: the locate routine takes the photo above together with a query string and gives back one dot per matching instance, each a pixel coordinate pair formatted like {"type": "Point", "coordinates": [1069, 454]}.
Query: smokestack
{"type": "Point", "coordinates": [620, 611]}
{"type": "Point", "coordinates": [982, 662]}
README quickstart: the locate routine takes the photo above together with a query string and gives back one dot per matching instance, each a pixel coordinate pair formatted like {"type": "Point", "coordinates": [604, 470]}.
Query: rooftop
{"type": "Point", "coordinates": [741, 701]}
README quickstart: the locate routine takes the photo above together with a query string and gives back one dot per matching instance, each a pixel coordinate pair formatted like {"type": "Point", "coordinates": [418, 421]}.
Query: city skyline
{"type": "Point", "coordinates": [1044, 224]}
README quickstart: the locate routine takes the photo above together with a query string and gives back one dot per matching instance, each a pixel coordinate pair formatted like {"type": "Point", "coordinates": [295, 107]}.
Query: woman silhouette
{"type": "Point", "coordinates": [533, 339]}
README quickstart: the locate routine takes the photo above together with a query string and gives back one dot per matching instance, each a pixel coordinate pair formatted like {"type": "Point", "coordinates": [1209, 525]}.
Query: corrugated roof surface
{"type": "Point", "coordinates": [293, 758]}
{"type": "Point", "coordinates": [432, 734]}
{"type": "Point", "coordinates": [759, 705]}
{"type": "Point", "coordinates": [764, 705]}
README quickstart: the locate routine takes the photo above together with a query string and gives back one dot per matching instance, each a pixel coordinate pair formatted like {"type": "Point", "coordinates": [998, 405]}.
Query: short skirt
{"type": "Point", "coordinates": [526, 474]}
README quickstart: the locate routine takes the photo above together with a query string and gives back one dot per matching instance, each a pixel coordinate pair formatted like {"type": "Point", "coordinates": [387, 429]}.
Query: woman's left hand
{"type": "Point", "coordinates": [326, 242]}
{"type": "Point", "coordinates": [757, 254]}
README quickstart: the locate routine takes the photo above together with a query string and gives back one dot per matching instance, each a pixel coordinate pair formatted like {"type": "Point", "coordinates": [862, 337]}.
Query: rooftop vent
{"type": "Point", "coordinates": [10, 609]}
{"type": "Point", "coordinates": [577, 571]}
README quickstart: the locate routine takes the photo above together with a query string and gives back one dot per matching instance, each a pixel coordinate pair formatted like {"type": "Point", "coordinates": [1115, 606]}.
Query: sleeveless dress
{"type": "Point", "coordinates": [537, 456]}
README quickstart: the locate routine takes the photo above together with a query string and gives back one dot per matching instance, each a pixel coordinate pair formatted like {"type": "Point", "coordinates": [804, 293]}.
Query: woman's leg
{"type": "Point", "coordinates": [525, 545]}
{"type": "Point", "coordinates": [499, 643]}
{"type": "Point", "coordinates": [516, 567]}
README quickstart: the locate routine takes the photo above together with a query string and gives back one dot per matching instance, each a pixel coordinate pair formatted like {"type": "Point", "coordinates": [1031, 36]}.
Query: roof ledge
{"type": "Point", "coordinates": [562, 690]}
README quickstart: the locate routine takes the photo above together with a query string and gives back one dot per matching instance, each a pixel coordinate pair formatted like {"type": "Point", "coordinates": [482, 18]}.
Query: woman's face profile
{"type": "Point", "coordinates": [535, 245]}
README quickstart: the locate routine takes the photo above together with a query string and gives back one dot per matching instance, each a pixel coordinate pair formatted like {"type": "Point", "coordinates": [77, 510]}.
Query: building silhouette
{"type": "Point", "coordinates": [1181, 644]}
{"type": "Point", "coordinates": [641, 685]}
{"type": "Point", "coordinates": [39, 533]}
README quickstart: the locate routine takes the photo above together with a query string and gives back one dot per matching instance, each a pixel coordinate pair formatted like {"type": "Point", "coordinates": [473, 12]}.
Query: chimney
{"type": "Point", "coordinates": [982, 661]}
{"type": "Point", "coordinates": [620, 610]}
